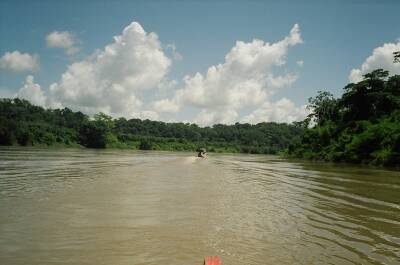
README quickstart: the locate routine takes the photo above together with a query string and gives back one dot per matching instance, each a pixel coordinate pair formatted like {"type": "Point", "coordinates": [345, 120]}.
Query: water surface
{"type": "Point", "coordinates": [122, 207]}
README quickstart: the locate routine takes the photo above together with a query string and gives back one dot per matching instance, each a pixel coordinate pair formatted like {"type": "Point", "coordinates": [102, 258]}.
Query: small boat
{"type": "Point", "coordinates": [202, 152]}
{"type": "Point", "coordinates": [212, 261]}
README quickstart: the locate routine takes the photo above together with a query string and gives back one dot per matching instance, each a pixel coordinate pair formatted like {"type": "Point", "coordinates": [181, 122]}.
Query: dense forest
{"type": "Point", "coordinates": [22, 123]}
{"type": "Point", "coordinates": [362, 126]}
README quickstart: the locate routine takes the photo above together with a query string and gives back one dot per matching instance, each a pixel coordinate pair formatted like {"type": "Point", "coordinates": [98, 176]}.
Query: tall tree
{"type": "Point", "coordinates": [323, 108]}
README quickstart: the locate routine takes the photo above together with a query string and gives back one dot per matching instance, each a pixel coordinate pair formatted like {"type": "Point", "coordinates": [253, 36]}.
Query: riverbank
{"type": "Point", "coordinates": [22, 123]}
{"type": "Point", "coordinates": [361, 126]}
{"type": "Point", "coordinates": [160, 144]}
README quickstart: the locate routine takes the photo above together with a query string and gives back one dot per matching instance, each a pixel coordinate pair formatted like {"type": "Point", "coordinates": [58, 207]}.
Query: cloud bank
{"type": "Point", "coordinates": [246, 78]}
{"type": "Point", "coordinates": [125, 77]}
{"type": "Point", "coordinates": [282, 110]}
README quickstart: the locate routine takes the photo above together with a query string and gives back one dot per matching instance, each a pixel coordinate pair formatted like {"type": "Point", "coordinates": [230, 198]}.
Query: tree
{"type": "Point", "coordinates": [396, 57]}
{"type": "Point", "coordinates": [145, 144]}
{"type": "Point", "coordinates": [95, 133]}
{"type": "Point", "coordinates": [378, 74]}
{"type": "Point", "coordinates": [368, 99]}
{"type": "Point", "coordinates": [104, 120]}
{"type": "Point", "coordinates": [25, 124]}
{"type": "Point", "coordinates": [323, 107]}
{"type": "Point", "coordinates": [364, 126]}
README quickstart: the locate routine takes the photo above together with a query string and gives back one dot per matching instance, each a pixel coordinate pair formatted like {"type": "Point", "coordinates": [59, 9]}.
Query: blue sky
{"type": "Point", "coordinates": [337, 37]}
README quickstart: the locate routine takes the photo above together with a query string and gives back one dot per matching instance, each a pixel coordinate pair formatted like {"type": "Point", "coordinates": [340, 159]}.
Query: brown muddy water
{"type": "Point", "coordinates": [122, 207]}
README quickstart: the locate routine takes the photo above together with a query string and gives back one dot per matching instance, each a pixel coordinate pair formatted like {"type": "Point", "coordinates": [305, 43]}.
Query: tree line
{"type": "Point", "coordinates": [22, 123]}
{"type": "Point", "coordinates": [361, 126]}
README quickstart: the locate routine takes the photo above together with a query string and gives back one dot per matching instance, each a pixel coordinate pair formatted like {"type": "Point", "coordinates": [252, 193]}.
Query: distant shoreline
{"type": "Point", "coordinates": [24, 124]}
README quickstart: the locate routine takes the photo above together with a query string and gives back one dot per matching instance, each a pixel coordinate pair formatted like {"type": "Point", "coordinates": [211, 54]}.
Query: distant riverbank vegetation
{"type": "Point", "coordinates": [22, 123]}
{"type": "Point", "coordinates": [361, 126]}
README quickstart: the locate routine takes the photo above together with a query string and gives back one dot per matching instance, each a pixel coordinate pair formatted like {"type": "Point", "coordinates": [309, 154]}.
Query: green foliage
{"type": "Point", "coordinates": [323, 107]}
{"type": "Point", "coordinates": [24, 124]}
{"type": "Point", "coordinates": [363, 126]}
{"type": "Point", "coordinates": [97, 133]}
{"type": "Point", "coordinates": [396, 57]}
{"type": "Point", "coordinates": [145, 144]}
{"type": "Point", "coordinates": [7, 132]}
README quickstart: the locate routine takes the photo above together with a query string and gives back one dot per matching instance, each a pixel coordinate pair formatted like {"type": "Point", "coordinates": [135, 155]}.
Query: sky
{"type": "Point", "coordinates": [203, 62]}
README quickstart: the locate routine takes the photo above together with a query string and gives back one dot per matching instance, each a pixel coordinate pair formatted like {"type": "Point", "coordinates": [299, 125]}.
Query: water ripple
{"type": "Point", "coordinates": [75, 206]}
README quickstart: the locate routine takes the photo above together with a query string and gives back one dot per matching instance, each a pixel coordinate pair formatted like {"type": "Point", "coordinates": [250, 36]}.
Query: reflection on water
{"type": "Point", "coordinates": [122, 207]}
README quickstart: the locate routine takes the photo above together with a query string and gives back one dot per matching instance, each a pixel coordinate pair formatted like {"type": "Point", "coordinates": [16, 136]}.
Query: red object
{"type": "Point", "coordinates": [212, 261]}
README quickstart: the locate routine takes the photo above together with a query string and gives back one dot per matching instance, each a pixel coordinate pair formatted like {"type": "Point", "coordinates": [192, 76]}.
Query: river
{"type": "Point", "coordinates": [117, 207]}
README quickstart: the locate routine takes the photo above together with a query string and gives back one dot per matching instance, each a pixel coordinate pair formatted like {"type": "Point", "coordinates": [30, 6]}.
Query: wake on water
{"type": "Point", "coordinates": [178, 162]}
{"type": "Point", "coordinates": [191, 159]}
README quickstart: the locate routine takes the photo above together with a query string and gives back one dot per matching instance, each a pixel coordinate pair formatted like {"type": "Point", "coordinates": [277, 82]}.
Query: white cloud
{"type": "Point", "coordinates": [283, 110]}
{"type": "Point", "coordinates": [165, 105]}
{"type": "Point", "coordinates": [63, 40]}
{"type": "Point", "coordinates": [246, 78]}
{"type": "Point", "coordinates": [217, 115]}
{"type": "Point", "coordinates": [111, 79]}
{"type": "Point", "coordinates": [32, 92]}
{"type": "Point", "coordinates": [300, 63]}
{"type": "Point", "coordinates": [382, 57]}
{"type": "Point", "coordinates": [19, 62]}
{"type": "Point", "coordinates": [126, 76]}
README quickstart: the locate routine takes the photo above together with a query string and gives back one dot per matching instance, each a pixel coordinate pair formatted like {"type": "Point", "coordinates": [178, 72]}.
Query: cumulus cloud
{"type": "Point", "coordinates": [283, 110]}
{"type": "Point", "coordinates": [165, 105]}
{"type": "Point", "coordinates": [111, 78]}
{"type": "Point", "coordinates": [382, 57]}
{"type": "Point", "coordinates": [127, 76]}
{"type": "Point", "coordinates": [221, 115]}
{"type": "Point", "coordinates": [19, 62]}
{"type": "Point", "coordinates": [246, 78]}
{"type": "Point", "coordinates": [63, 40]}
{"type": "Point", "coordinates": [32, 92]}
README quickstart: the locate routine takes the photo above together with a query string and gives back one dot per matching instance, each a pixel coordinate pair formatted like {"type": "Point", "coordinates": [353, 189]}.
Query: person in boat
{"type": "Point", "coordinates": [202, 152]}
